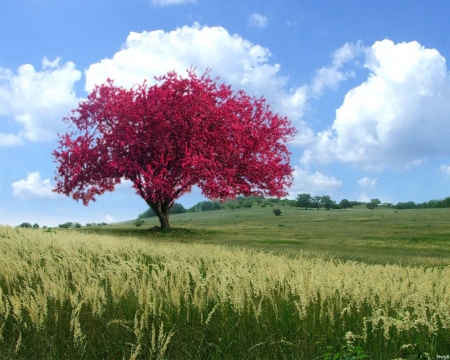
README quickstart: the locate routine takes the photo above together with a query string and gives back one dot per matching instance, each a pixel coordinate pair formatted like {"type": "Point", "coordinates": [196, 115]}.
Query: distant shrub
{"type": "Point", "coordinates": [138, 223]}
{"type": "Point", "coordinates": [247, 204]}
{"type": "Point", "coordinates": [25, 225]}
{"type": "Point", "coordinates": [77, 225]}
{"type": "Point", "coordinates": [277, 212]}
{"type": "Point", "coordinates": [88, 224]}
{"type": "Point", "coordinates": [66, 225]}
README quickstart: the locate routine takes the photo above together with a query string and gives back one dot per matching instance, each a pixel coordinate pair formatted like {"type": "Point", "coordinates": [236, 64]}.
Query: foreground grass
{"type": "Point", "coordinates": [68, 295]}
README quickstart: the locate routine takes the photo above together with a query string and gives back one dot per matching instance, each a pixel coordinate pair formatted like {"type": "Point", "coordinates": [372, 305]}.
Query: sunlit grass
{"type": "Point", "coordinates": [69, 295]}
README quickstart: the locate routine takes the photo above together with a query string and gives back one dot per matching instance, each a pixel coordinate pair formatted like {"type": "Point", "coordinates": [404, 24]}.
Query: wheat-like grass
{"type": "Point", "coordinates": [153, 294]}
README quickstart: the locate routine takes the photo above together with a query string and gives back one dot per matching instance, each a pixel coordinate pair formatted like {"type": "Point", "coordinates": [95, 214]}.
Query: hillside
{"type": "Point", "coordinates": [380, 235]}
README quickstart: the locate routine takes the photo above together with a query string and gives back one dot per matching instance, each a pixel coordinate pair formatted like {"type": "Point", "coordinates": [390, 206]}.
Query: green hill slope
{"type": "Point", "coordinates": [381, 235]}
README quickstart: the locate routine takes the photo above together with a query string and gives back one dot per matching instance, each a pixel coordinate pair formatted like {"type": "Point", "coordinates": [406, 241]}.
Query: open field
{"type": "Point", "coordinates": [181, 294]}
{"type": "Point", "coordinates": [374, 236]}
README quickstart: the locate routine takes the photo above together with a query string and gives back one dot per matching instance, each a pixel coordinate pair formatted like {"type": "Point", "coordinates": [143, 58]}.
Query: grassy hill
{"type": "Point", "coordinates": [143, 293]}
{"type": "Point", "coordinates": [375, 236]}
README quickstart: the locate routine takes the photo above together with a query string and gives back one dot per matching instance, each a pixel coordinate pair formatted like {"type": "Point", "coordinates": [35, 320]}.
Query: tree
{"type": "Point", "coordinates": [327, 202]}
{"type": "Point", "coordinates": [315, 202]}
{"type": "Point", "coordinates": [373, 204]}
{"type": "Point", "coordinates": [376, 202]}
{"type": "Point", "coordinates": [303, 200]}
{"type": "Point", "coordinates": [66, 225]}
{"type": "Point", "coordinates": [173, 135]}
{"type": "Point", "coordinates": [25, 225]}
{"type": "Point", "coordinates": [345, 204]}
{"type": "Point", "coordinates": [206, 206]}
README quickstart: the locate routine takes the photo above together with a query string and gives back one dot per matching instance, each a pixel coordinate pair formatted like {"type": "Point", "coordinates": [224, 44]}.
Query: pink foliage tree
{"type": "Point", "coordinates": [166, 138]}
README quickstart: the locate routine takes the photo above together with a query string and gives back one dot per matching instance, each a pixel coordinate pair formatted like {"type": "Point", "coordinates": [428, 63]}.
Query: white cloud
{"type": "Point", "coordinates": [34, 187]}
{"type": "Point", "coordinates": [399, 115]}
{"type": "Point", "coordinates": [10, 140]}
{"type": "Point", "coordinates": [331, 76]}
{"type": "Point", "coordinates": [237, 61]}
{"type": "Point", "coordinates": [445, 169]}
{"type": "Point", "coordinates": [171, 2]}
{"type": "Point", "coordinates": [312, 183]}
{"type": "Point", "coordinates": [38, 100]}
{"type": "Point", "coordinates": [367, 182]}
{"type": "Point", "coordinates": [258, 20]}
{"type": "Point", "coordinates": [364, 198]}
{"type": "Point", "coordinates": [109, 219]}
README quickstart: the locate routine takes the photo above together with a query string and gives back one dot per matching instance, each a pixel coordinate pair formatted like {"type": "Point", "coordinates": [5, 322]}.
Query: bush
{"type": "Point", "coordinates": [77, 225]}
{"type": "Point", "coordinates": [25, 225]}
{"type": "Point", "coordinates": [277, 212]}
{"type": "Point", "coordinates": [138, 223]}
{"type": "Point", "coordinates": [66, 225]}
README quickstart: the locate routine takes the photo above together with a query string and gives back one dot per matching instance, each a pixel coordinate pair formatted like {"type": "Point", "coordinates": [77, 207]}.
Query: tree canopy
{"type": "Point", "coordinates": [166, 138]}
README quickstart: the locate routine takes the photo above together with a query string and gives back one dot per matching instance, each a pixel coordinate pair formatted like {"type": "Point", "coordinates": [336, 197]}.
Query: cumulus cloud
{"type": "Point", "coordinates": [162, 3]}
{"type": "Point", "coordinates": [37, 100]}
{"type": "Point", "coordinates": [258, 20]}
{"type": "Point", "coordinates": [34, 187]}
{"type": "Point", "coordinates": [399, 115]}
{"type": "Point", "coordinates": [236, 60]}
{"type": "Point", "coordinates": [445, 169]}
{"type": "Point", "coordinates": [330, 76]}
{"type": "Point", "coordinates": [312, 183]}
{"type": "Point", "coordinates": [367, 182]}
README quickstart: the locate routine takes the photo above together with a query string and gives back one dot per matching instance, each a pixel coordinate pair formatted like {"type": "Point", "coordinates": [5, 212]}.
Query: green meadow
{"type": "Point", "coordinates": [231, 284]}
{"type": "Point", "coordinates": [410, 237]}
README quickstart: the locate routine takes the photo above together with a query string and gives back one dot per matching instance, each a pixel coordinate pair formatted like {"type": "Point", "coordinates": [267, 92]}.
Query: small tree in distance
{"type": "Point", "coordinates": [303, 200]}
{"type": "Point", "coordinates": [345, 204]}
{"type": "Point", "coordinates": [327, 202]}
{"type": "Point", "coordinates": [168, 137]}
{"type": "Point", "coordinates": [25, 225]}
{"type": "Point", "coordinates": [373, 204]}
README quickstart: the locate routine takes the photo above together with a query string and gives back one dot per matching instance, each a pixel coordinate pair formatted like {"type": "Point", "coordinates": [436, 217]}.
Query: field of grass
{"type": "Point", "coordinates": [350, 282]}
{"type": "Point", "coordinates": [376, 236]}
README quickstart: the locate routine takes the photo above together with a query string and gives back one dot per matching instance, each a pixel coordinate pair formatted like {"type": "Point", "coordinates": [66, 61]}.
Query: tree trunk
{"type": "Point", "coordinates": [162, 211]}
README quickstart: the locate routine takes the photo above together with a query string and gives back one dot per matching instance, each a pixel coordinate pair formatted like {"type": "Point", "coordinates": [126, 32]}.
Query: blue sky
{"type": "Point", "coordinates": [365, 83]}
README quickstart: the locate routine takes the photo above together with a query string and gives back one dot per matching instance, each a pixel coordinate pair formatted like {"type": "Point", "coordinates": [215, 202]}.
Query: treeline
{"type": "Point", "coordinates": [240, 202]}
{"type": "Point", "coordinates": [431, 204]}
{"type": "Point", "coordinates": [66, 225]}
{"type": "Point", "coordinates": [304, 200]}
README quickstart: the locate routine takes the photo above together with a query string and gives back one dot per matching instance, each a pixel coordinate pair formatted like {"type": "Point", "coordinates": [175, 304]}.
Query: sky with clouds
{"type": "Point", "coordinates": [365, 83]}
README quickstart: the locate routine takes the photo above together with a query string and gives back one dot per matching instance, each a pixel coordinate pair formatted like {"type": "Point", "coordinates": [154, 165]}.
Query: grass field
{"type": "Point", "coordinates": [374, 236]}
{"type": "Point", "coordinates": [242, 284]}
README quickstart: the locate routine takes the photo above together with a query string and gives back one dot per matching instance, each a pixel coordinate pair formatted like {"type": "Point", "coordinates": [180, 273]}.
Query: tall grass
{"type": "Point", "coordinates": [81, 296]}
